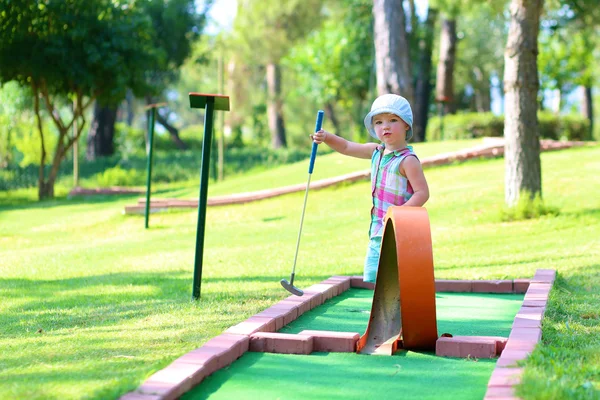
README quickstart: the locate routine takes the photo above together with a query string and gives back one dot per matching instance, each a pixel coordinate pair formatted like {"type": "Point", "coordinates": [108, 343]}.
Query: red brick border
{"type": "Point", "coordinates": [259, 333]}
{"type": "Point", "coordinates": [525, 335]}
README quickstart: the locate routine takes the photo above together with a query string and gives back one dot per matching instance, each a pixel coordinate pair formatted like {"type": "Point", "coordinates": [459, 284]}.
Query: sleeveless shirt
{"type": "Point", "coordinates": [388, 186]}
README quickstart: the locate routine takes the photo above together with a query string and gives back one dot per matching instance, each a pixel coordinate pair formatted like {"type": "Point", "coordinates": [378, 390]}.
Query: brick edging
{"type": "Point", "coordinates": [259, 333]}
{"type": "Point", "coordinates": [79, 191]}
{"type": "Point", "coordinates": [524, 336]}
{"type": "Point", "coordinates": [190, 369]}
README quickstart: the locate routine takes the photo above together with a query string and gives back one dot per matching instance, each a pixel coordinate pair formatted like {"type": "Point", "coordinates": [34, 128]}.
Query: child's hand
{"type": "Point", "coordinates": [319, 136]}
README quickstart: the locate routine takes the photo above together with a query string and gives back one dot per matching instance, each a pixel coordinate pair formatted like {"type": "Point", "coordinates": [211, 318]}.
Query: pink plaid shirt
{"type": "Point", "coordinates": [388, 186]}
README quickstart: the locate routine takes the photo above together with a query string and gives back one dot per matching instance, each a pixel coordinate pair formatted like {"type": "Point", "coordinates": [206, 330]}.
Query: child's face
{"type": "Point", "coordinates": [390, 129]}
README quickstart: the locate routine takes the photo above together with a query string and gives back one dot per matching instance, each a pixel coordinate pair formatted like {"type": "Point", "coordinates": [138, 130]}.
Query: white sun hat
{"type": "Point", "coordinates": [390, 104]}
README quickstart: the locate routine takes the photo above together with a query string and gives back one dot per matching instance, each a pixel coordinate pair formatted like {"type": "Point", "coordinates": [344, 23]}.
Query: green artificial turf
{"type": "Point", "coordinates": [356, 376]}
{"type": "Point", "coordinates": [471, 314]}
{"type": "Point", "coordinates": [345, 376]}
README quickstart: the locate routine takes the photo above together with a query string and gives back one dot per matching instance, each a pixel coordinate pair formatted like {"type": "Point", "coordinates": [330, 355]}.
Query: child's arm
{"type": "Point", "coordinates": [341, 145]}
{"type": "Point", "coordinates": [411, 168]}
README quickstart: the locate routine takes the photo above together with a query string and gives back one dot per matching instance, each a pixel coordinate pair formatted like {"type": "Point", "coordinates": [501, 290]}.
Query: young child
{"type": "Point", "coordinates": [397, 177]}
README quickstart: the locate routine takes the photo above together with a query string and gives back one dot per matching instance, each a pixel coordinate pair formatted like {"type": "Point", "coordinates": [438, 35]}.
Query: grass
{"type": "Point", "coordinates": [91, 304]}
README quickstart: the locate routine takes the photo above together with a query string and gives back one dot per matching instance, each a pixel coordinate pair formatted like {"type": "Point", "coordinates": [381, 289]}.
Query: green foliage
{"type": "Point", "coordinates": [465, 125]}
{"type": "Point", "coordinates": [474, 125]}
{"type": "Point", "coordinates": [335, 61]}
{"type": "Point", "coordinates": [128, 140]}
{"type": "Point", "coordinates": [528, 207]}
{"type": "Point", "coordinates": [168, 166]}
{"type": "Point", "coordinates": [333, 68]}
{"type": "Point", "coordinates": [80, 50]}
{"type": "Point", "coordinates": [566, 58]}
{"type": "Point", "coordinates": [264, 30]}
{"type": "Point", "coordinates": [176, 25]}
{"type": "Point", "coordinates": [564, 127]}
{"type": "Point", "coordinates": [95, 47]}
{"type": "Point", "coordinates": [481, 29]}
{"type": "Point", "coordinates": [27, 143]}
{"type": "Point", "coordinates": [13, 113]}
{"type": "Point", "coordinates": [118, 176]}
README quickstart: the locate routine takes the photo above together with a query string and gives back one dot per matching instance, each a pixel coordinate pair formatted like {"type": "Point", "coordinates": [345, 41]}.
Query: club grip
{"type": "Point", "coordinates": [313, 153]}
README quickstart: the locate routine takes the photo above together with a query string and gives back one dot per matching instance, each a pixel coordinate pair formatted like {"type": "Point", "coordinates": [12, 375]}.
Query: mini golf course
{"type": "Point", "coordinates": [422, 338]}
{"type": "Point", "coordinates": [267, 356]}
{"type": "Point", "coordinates": [321, 375]}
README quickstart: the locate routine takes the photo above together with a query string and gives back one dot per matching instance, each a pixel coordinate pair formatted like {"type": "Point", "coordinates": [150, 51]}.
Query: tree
{"type": "Point", "coordinates": [522, 145]}
{"type": "Point", "coordinates": [176, 24]}
{"type": "Point", "coordinates": [264, 32]}
{"type": "Point", "coordinates": [71, 52]}
{"type": "Point", "coordinates": [392, 49]}
{"type": "Point", "coordinates": [14, 105]}
{"type": "Point", "coordinates": [569, 41]}
{"type": "Point", "coordinates": [332, 67]}
{"type": "Point", "coordinates": [479, 56]}
{"type": "Point", "coordinates": [444, 88]}
{"type": "Point", "coordinates": [423, 81]}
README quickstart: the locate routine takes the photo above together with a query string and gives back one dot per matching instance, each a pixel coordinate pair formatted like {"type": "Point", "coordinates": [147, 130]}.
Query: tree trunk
{"type": "Point", "coordinates": [331, 116]}
{"type": "Point", "coordinates": [129, 99]}
{"type": "Point", "coordinates": [423, 85]}
{"type": "Point", "coordinates": [43, 191]}
{"type": "Point", "coordinates": [587, 107]}
{"type": "Point", "coordinates": [413, 21]}
{"type": "Point", "coordinates": [521, 84]}
{"type": "Point", "coordinates": [173, 132]}
{"type": "Point", "coordinates": [275, 106]}
{"type": "Point", "coordinates": [558, 101]}
{"type": "Point", "coordinates": [391, 49]}
{"type": "Point", "coordinates": [444, 89]}
{"type": "Point", "coordinates": [100, 141]}
{"type": "Point", "coordinates": [483, 99]}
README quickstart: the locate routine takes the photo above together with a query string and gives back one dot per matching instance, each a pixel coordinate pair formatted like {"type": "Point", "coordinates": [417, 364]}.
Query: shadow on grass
{"type": "Point", "coordinates": [25, 203]}
{"type": "Point", "coordinates": [101, 300]}
{"type": "Point", "coordinates": [592, 212]}
{"type": "Point", "coordinates": [122, 321]}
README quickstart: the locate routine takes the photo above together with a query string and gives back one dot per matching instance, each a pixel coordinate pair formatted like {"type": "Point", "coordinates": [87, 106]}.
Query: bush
{"type": "Point", "coordinates": [475, 125]}
{"type": "Point", "coordinates": [172, 166]}
{"type": "Point", "coordinates": [528, 207]}
{"type": "Point", "coordinates": [16, 177]}
{"type": "Point", "coordinates": [118, 176]}
{"type": "Point", "coordinates": [128, 140]}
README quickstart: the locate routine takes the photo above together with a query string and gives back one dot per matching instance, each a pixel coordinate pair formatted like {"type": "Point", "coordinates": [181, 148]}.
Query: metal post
{"type": "Point", "coordinates": [151, 116]}
{"type": "Point", "coordinates": [206, 145]}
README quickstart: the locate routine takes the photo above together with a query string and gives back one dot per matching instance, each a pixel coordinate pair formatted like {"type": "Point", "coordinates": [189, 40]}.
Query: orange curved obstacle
{"type": "Point", "coordinates": [403, 310]}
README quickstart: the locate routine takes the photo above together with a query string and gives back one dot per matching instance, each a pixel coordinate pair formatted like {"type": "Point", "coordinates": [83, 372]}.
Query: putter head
{"type": "Point", "coordinates": [291, 288]}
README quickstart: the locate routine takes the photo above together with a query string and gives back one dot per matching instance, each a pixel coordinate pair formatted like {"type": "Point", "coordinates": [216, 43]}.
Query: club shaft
{"type": "Point", "coordinates": [300, 230]}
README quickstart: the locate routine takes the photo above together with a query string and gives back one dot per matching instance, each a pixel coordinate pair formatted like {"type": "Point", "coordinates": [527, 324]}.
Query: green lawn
{"type": "Point", "coordinates": [91, 304]}
{"type": "Point", "coordinates": [326, 166]}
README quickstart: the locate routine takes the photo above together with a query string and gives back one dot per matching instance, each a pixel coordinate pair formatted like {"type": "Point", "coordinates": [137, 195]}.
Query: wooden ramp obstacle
{"type": "Point", "coordinates": [403, 310]}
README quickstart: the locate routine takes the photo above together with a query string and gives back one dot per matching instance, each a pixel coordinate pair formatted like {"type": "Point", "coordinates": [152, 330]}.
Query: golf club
{"type": "Point", "coordinates": [289, 286]}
